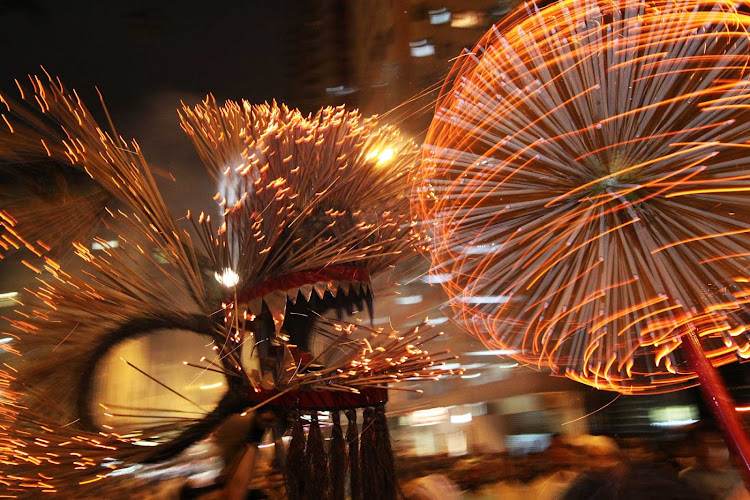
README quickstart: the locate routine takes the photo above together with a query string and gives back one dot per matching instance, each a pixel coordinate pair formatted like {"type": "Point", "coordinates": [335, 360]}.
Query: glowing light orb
{"type": "Point", "coordinates": [227, 277]}
{"type": "Point", "coordinates": [587, 178]}
{"type": "Point", "coordinates": [381, 157]}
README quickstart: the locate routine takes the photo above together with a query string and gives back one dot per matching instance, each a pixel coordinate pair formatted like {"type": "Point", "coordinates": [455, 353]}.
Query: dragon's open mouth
{"type": "Point", "coordinates": [286, 308]}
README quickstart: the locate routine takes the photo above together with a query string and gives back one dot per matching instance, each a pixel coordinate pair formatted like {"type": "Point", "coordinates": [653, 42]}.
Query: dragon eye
{"type": "Point", "coordinates": [153, 378]}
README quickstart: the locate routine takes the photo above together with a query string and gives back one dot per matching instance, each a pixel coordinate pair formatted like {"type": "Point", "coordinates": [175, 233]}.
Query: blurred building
{"type": "Point", "coordinates": [377, 55]}
{"type": "Point", "coordinates": [384, 54]}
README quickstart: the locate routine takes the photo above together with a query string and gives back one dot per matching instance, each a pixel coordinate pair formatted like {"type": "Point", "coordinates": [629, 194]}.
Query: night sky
{"type": "Point", "coordinates": [147, 56]}
{"type": "Point", "coordinates": [136, 49]}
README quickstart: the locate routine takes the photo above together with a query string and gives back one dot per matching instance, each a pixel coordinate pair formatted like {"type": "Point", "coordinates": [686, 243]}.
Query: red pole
{"type": "Point", "coordinates": [718, 400]}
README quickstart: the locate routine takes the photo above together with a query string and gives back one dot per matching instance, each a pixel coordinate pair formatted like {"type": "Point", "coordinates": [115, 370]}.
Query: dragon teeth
{"type": "Point", "coordinates": [255, 306]}
{"type": "Point", "coordinates": [320, 289]}
{"type": "Point", "coordinates": [276, 303]}
{"type": "Point", "coordinates": [306, 291]}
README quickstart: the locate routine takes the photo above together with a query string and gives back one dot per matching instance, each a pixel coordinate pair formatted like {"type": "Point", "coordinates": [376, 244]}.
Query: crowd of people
{"type": "Point", "coordinates": [698, 467]}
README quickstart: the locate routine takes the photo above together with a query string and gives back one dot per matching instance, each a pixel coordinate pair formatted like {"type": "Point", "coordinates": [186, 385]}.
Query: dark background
{"type": "Point", "coordinates": [147, 56]}
{"type": "Point", "coordinates": [136, 49]}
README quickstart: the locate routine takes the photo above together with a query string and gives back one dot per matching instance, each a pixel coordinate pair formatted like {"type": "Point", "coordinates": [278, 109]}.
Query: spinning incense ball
{"type": "Point", "coordinates": [587, 179]}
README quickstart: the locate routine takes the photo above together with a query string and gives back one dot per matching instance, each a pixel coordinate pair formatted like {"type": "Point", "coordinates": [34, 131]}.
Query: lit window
{"type": "Point", "coordinates": [437, 321]}
{"type": "Point", "coordinates": [461, 419]}
{"type": "Point", "coordinates": [159, 257]}
{"type": "Point", "coordinates": [422, 48]}
{"type": "Point", "coordinates": [341, 90]}
{"type": "Point", "coordinates": [500, 11]}
{"type": "Point", "coordinates": [479, 249]}
{"type": "Point", "coordinates": [101, 244]}
{"type": "Point", "coordinates": [436, 278]}
{"type": "Point", "coordinates": [673, 416]}
{"type": "Point", "coordinates": [486, 299]}
{"type": "Point", "coordinates": [9, 299]}
{"type": "Point", "coordinates": [409, 299]}
{"type": "Point", "coordinates": [493, 352]}
{"type": "Point", "coordinates": [432, 416]}
{"type": "Point", "coordinates": [440, 16]}
{"type": "Point", "coordinates": [467, 19]}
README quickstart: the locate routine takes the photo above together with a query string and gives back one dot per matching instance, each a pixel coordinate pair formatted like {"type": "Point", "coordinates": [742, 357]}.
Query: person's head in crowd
{"type": "Point", "coordinates": [711, 453]}
{"type": "Point", "coordinates": [475, 477]}
{"type": "Point", "coordinates": [432, 487]}
{"type": "Point", "coordinates": [626, 483]}
{"type": "Point", "coordinates": [557, 439]}
{"type": "Point", "coordinates": [713, 473]}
